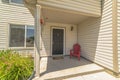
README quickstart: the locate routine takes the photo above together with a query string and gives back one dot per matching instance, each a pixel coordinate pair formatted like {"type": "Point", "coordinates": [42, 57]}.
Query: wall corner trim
{"type": "Point", "coordinates": [114, 36]}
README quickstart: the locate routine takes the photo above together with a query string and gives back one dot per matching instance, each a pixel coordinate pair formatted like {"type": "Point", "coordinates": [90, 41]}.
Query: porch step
{"type": "Point", "coordinates": [66, 68]}
{"type": "Point", "coordinates": [74, 72]}
{"type": "Point", "coordinates": [95, 76]}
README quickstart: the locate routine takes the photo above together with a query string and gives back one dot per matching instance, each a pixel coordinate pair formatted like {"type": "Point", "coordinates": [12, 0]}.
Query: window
{"type": "Point", "coordinates": [30, 36]}
{"type": "Point", "coordinates": [17, 1]}
{"type": "Point", "coordinates": [17, 35]}
{"type": "Point", "coordinates": [21, 36]}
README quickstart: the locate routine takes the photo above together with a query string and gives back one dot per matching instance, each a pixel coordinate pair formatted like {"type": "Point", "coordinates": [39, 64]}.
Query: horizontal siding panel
{"type": "Point", "coordinates": [104, 63]}
{"type": "Point", "coordinates": [103, 44]}
{"type": "Point", "coordinates": [106, 29]}
{"type": "Point", "coordinates": [13, 8]}
{"type": "Point", "coordinates": [104, 36]}
{"type": "Point", "coordinates": [10, 14]}
{"type": "Point", "coordinates": [74, 4]}
{"type": "Point", "coordinates": [107, 19]}
{"type": "Point", "coordinates": [105, 15]}
{"type": "Point", "coordinates": [87, 6]}
{"type": "Point", "coordinates": [90, 2]}
{"type": "Point", "coordinates": [107, 8]}
{"type": "Point", "coordinates": [3, 35]}
{"type": "Point", "coordinates": [104, 47]}
{"type": "Point", "coordinates": [106, 51]}
{"type": "Point", "coordinates": [103, 58]}
{"type": "Point", "coordinates": [103, 53]}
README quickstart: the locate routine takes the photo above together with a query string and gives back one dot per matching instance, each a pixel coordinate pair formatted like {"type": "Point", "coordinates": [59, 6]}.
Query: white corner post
{"type": "Point", "coordinates": [114, 37]}
{"type": "Point", "coordinates": [37, 41]}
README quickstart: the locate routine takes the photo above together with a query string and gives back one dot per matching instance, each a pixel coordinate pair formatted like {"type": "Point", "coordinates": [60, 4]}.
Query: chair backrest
{"type": "Point", "coordinates": [76, 48]}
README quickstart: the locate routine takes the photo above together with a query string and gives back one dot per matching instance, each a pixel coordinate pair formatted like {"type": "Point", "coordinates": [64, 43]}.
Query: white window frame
{"type": "Point", "coordinates": [25, 35]}
{"type": "Point", "coordinates": [10, 2]}
{"type": "Point", "coordinates": [24, 47]}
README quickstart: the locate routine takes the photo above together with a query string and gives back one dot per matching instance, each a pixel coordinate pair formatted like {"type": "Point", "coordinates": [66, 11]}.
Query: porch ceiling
{"type": "Point", "coordinates": [54, 15]}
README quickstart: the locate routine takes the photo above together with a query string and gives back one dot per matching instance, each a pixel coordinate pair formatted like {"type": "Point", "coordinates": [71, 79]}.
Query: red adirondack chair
{"type": "Point", "coordinates": [75, 51]}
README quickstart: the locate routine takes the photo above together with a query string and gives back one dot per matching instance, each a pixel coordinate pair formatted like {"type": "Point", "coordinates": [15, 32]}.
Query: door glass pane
{"type": "Point", "coordinates": [17, 1]}
{"type": "Point", "coordinates": [30, 36]}
{"type": "Point", "coordinates": [17, 35]}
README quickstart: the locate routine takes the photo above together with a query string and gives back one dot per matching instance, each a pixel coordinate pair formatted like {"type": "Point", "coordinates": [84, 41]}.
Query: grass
{"type": "Point", "coordinates": [14, 67]}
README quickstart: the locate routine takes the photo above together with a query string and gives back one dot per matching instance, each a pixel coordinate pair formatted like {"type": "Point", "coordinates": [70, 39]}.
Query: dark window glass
{"type": "Point", "coordinates": [5, 1]}
{"type": "Point", "coordinates": [30, 36]}
{"type": "Point", "coordinates": [17, 1]}
{"type": "Point", "coordinates": [17, 35]}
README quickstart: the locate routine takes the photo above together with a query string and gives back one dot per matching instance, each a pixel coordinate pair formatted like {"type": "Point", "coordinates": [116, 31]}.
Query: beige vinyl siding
{"type": "Point", "coordinates": [95, 37]}
{"type": "Point", "coordinates": [92, 7]}
{"type": "Point", "coordinates": [3, 35]}
{"type": "Point", "coordinates": [118, 20]}
{"type": "Point", "coordinates": [70, 37]}
{"type": "Point", "coordinates": [88, 36]}
{"type": "Point", "coordinates": [16, 14]}
{"type": "Point", "coordinates": [11, 14]}
{"type": "Point", "coordinates": [104, 50]}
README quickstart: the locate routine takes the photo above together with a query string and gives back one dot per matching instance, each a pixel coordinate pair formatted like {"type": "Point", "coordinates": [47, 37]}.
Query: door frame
{"type": "Point", "coordinates": [64, 50]}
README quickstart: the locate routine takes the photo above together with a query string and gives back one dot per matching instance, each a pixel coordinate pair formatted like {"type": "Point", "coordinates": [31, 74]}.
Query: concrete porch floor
{"type": "Point", "coordinates": [71, 69]}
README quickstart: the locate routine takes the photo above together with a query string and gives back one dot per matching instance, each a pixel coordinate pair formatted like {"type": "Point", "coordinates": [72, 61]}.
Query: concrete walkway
{"type": "Point", "coordinates": [94, 76]}
{"type": "Point", "coordinates": [71, 69]}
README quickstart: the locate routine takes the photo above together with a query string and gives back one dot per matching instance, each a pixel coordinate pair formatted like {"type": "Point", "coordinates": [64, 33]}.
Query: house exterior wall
{"type": "Point", "coordinates": [12, 14]}
{"type": "Point", "coordinates": [88, 36]}
{"type": "Point", "coordinates": [90, 7]}
{"type": "Point", "coordinates": [118, 31]}
{"type": "Point", "coordinates": [70, 37]}
{"type": "Point", "coordinates": [95, 37]}
{"type": "Point", "coordinates": [104, 50]}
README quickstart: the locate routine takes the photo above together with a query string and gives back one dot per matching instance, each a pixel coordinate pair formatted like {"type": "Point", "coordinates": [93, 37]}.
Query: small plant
{"type": "Point", "coordinates": [14, 67]}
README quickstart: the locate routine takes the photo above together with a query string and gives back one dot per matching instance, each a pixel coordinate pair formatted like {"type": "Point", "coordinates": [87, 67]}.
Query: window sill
{"type": "Point", "coordinates": [14, 4]}
{"type": "Point", "coordinates": [21, 48]}
{"type": "Point", "coordinates": [21, 5]}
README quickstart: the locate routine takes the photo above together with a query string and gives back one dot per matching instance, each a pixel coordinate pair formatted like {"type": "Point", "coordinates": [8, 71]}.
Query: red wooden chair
{"type": "Point", "coordinates": [75, 51]}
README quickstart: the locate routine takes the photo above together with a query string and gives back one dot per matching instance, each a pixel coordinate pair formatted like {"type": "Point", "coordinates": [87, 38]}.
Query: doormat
{"type": "Point", "coordinates": [58, 57]}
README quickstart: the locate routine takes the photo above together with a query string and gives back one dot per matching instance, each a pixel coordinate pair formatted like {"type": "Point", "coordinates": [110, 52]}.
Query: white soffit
{"type": "Point", "coordinates": [52, 15]}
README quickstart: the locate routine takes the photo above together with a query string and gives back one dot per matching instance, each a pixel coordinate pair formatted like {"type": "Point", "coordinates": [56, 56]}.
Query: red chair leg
{"type": "Point", "coordinates": [79, 58]}
{"type": "Point", "coordinates": [70, 56]}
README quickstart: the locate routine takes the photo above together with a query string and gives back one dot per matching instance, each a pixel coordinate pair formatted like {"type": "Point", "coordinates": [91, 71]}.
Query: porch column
{"type": "Point", "coordinates": [37, 41]}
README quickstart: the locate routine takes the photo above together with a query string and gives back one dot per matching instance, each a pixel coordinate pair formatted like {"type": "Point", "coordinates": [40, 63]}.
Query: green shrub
{"type": "Point", "coordinates": [14, 67]}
